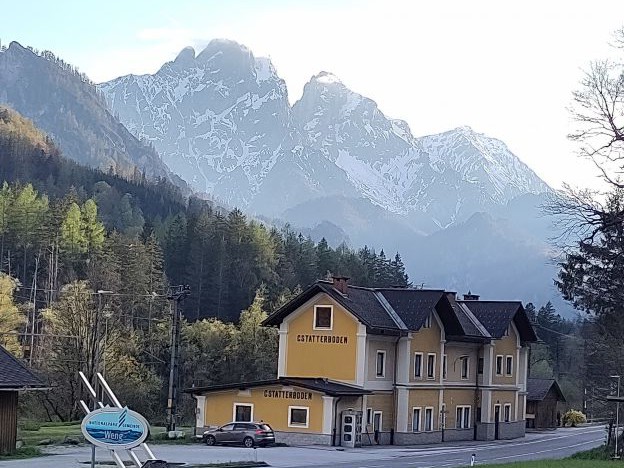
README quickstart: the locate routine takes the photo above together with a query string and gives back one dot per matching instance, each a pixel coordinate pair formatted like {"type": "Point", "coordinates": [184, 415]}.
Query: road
{"type": "Point", "coordinates": [557, 444]}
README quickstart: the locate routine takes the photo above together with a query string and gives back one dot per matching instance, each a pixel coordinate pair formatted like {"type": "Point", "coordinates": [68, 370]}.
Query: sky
{"type": "Point", "coordinates": [505, 68]}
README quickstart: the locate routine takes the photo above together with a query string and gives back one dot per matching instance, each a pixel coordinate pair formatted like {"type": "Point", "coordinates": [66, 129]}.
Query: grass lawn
{"type": "Point", "coordinates": [32, 434]}
{"type": "Point", "coordinates": [566, 463]}
{"type": "Point", "coordinates": [24, 452]}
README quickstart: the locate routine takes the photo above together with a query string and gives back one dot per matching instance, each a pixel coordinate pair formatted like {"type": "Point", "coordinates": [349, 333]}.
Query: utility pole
{"type": "Point", "coordinates": [617, 416]}
{"type": "Point", "coordinates": [175, 296]}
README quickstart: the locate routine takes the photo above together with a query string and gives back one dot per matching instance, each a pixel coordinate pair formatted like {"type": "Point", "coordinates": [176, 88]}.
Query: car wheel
{"type": "Point", "coordinates": [248, 442]}
{"type": "Point", "coordinates": [210, 440]}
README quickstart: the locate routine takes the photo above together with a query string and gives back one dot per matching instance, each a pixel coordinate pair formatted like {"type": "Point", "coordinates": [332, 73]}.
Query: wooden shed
{"type": "Point", "coordinates": [543, 398]}
{"type": "Point", "coordinates": [14, 377]}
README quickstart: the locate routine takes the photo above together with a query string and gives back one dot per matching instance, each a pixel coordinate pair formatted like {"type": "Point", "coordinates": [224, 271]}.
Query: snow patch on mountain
{"type": "Point", "coordinates": [221, 119]}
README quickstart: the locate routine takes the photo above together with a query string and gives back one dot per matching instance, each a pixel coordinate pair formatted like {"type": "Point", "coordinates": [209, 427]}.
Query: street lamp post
{"type": "Point", "coordinates": [617, 416]}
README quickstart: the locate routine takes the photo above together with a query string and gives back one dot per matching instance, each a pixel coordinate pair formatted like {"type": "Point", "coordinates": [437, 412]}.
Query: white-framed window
{"type": "Point", "coordinates": [323, 317]}
{"type": "Point", "coordinates": [369, 416]}
{"type": "Point", "coordinates": [427, 323]}
{"type": "Point", "coordinates": [464, 362]}
{"type": "Point", "coordinates": [380, 364]}
{"type": "Point", "coordinates": [509, 365]}
{"type": "Point", "coordinates": [242, 412]}
{"type": "Point", "coordinates": [444, 366]}
{"type": "Point", "coordinates": [507, 412]}
{"type": "Point", "coordinates": [416, 424]}
{"type": "Point", "coordinates": [377, 420]}
{"type": "Point", "coordinates": [499, 365]}
{"type": "Point", "coordinates": [431, 361]}
{"type": "Point", "coordinates": [418, 363]}
{"type": "Point", "coordinates": [462, 417]}
{"type": "Point", "coordinates": [298, 416]}
{"type": "Point", "coordinates": [428, 425]}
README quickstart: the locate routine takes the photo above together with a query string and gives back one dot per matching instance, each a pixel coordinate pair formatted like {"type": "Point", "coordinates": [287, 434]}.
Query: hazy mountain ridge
{"type": "Point", "coordinates": [333, 161]}
{"type": "Point", "coordinates": [222, 121]}
{"type": "Point", "coordinates": [68, 107]}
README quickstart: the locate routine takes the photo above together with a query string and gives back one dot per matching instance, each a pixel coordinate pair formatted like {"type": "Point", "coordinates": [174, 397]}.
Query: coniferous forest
{"type": "Point", "coordinates": [86, 259]}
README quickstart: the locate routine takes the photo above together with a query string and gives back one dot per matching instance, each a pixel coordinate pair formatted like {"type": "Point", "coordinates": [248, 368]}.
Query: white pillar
{"type": "Point", "coordinates": [328, 414]}
{"type": "Point", "coordinates": [488, 364]}
{"type": "Point", "coordinates": [404, 360]}
{"type": "Point", "coordinates": [360, 374]}
{"type": "Point", "coordinates": [200, 412]}
{"type": "Point", "coordinates": [486, 406]}
{"type": "Point", "coordinates": [283, 349]}
{"type": "Point", "coordinates": [402, 409]}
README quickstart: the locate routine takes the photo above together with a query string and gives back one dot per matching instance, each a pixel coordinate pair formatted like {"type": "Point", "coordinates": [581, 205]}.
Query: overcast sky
{"type": "Point", "coordinates": [505, 68]}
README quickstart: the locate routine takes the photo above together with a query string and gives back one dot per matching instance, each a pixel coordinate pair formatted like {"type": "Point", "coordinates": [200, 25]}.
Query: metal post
{"type": "Point", "coordinates": [617, 419]}
{"type": "Point", "coordinates": [176, 296]}
{"type": "Point", "coordinates": [173, 364]}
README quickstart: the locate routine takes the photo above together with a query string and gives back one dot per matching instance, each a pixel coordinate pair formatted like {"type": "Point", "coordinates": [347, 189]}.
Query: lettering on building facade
{"type": "Point", "coordinates": [326, 339]}
{"type": "Point", "coordinates": [290, 395]}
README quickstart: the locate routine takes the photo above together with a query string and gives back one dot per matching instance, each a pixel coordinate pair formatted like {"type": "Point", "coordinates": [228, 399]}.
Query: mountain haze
{"type": "Point", "coordinates": [68, 107]}
{"type": "Point", "coordinates": [221, 119]}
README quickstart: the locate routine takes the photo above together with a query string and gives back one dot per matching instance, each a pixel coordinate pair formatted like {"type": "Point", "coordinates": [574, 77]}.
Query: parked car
{"type": "Point", "coordinates": [249, 434]}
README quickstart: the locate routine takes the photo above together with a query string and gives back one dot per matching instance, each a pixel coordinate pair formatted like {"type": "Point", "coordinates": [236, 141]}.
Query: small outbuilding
{"type": "Point", "coordinates": [14, 377]}
{"type": "Point", "coordinates": [543, 399]}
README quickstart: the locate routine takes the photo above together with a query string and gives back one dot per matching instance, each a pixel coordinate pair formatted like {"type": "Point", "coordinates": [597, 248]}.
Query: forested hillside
{"type": "Point", "coordinates": [86, 259]}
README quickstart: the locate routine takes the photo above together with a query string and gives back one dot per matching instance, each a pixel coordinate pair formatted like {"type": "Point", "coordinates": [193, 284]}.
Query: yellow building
{"type": "Point", "coordinates": [412, 365]}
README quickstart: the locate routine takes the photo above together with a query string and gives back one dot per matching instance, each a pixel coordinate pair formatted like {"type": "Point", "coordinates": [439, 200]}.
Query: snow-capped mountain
{"type": "Point", "coordinates": [459, 206]}
{"type": "Point", "coordinates": [484, 161]}
{"type": "Point", "coordinates": [221, 120]}
{"type": "Point", "coordinates": [67, 106]}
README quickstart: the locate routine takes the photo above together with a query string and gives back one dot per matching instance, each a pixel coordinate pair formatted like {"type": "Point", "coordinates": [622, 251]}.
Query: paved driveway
{"type": "Point", "coordinates": [558, 444]}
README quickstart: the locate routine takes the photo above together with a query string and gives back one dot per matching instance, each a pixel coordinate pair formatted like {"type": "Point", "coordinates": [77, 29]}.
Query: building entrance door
{"type": "Point", "coordinates": [351, 429]}
{"type": "Point", "coordinates": [496, 421]}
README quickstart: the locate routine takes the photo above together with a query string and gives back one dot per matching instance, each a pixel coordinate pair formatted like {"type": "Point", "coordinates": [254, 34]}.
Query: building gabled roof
{"type": "Point", "coordinates": [329, 387]}
{"type": "Point", "coordinates": [400, 310]}
{"type": "Point", "coordinates": [361, 302]}
{"type": "Point", "coordinates": [472, 328]}
{"type": "Point", "coordinates": [537, 389]}
{"type": "Point", "coordinates": [14, 375]}
{"type": "Point", "coordinates": [414, 306]}
{"type": "Point", "coordinates": [497, 316]}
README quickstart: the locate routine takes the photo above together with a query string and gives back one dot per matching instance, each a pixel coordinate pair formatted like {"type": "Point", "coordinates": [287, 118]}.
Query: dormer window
{"type": "Point", "coordinates": [427, 323]}
{"type": "Point", "coordinates": [323, 317]}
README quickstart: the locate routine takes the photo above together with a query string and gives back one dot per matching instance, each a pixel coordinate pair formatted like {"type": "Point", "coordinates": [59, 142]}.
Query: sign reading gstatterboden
{"type": "Point", "coordinates": [287, 394]}
{"type": "Point", "coordinates": [115, 428]}
{"type": "Point", "coordinates": [324, 339]}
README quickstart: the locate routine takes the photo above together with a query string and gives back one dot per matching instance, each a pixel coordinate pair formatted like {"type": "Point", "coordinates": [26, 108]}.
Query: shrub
{"type": "Point", "coordinates": [574, 417]}
{"type": "Point", "coordinates": [30, 426]}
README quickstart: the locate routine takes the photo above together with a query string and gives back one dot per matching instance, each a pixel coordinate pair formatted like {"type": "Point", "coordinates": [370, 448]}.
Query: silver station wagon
{"type": "Point", "coordinates": [249, 434]}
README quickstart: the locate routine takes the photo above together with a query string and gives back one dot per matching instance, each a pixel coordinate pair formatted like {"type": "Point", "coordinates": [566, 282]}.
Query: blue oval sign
{"type": "Point", "coordinates": [115, 428]}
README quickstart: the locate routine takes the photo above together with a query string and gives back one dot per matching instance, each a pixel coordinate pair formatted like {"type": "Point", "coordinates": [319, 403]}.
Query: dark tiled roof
{"type": "Point", "coordinates": [496, 316]}
{"type": "Point", "coordinates": [363, 303]}
{"type": "Point", "coordinates": [14, 374]}
{"type": "Point", "coordinates": [414, 306]}
{"type": "Point", "coordinates": [537, 389]}
{"type": "Point", "coordinates": [397, 310]}
{"type": "Point", "coordinates": [468, 326]}
{"type": "Point", "coordinates": [329, 387]}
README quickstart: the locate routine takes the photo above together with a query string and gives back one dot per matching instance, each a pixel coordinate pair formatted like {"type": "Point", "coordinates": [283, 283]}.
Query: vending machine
{"type": "Point", "coordinates": [351, 429]}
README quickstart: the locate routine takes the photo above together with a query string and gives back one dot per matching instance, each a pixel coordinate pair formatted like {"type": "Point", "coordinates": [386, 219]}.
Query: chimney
{"type": "Point", "coordinates": [471, 297]}
{"type": "Point", "coordinates": [341, 284]}
{"type": "Point", "coordinates": [452, 296]}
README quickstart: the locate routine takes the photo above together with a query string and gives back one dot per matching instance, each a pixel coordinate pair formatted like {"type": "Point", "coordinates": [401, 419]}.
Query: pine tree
{"type": "Point", "coordinates": [93, 229]}
{"type": "Point", "coordinates": [73, 238]}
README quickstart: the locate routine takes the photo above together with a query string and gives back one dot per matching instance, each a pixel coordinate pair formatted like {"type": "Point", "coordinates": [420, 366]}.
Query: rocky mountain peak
{"type": "Point", "coordinates": [185, 58]}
